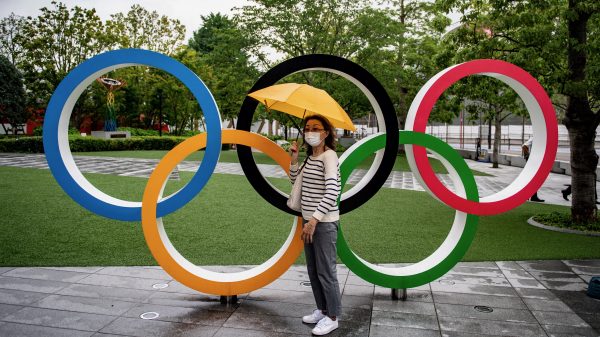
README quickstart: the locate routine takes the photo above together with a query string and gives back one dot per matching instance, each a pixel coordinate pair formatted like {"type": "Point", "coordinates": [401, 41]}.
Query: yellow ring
{"type": "Point", "coordinates": [179, 267]}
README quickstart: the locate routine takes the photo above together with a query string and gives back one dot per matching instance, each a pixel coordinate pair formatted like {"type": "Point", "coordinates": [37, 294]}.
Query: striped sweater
{"type": "Point", "coordinates": [320, 186]}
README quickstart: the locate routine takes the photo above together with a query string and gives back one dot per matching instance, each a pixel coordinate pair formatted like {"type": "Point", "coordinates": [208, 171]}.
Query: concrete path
{"type": "Point", "coordinates": [525, 298]}
{"type": "Point", "coordinates": [487, 185]}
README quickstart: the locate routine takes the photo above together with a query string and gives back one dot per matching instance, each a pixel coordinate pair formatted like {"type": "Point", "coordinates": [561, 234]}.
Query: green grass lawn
{"type": "Point", "coordinates": [401, 163]}
{"type": "Point", "coordinates": [228, 223]}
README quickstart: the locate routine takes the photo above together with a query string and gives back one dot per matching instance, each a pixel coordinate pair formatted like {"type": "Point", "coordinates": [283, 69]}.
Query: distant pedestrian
{"type": "Point", "coordinates": [527, 147]}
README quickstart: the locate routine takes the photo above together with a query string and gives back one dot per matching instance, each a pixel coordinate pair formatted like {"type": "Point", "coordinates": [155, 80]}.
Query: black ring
{"type": "Point", "coordinates": [340, 66]}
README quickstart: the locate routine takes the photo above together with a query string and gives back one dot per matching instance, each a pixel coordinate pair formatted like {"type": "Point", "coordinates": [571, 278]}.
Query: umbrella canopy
{"type": "Point", "coordinates": [303, 100]}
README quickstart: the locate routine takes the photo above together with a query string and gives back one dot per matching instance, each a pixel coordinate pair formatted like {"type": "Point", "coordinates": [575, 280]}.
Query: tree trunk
{"type": "Point", "coordinates": [497, 139]}
{"type": "Point", "coordinates": [270, 126]}
{"type": "Point", "coordinates": [584, 161]}
{"type": "Point", "coordinates": [260, 127]}
{"type": "Point", "coordinates": [489, 133]}
{"type": "Point", "coordinates": [202, 123]}
{"type": "Point", "coordinates": [580, 121]}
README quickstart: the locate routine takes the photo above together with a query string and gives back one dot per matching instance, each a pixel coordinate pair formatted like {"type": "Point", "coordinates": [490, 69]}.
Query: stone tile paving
{"type": "Point", "coordinates": [109, 301]}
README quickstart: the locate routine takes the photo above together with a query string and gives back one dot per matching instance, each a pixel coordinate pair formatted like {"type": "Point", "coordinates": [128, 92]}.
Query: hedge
{"type": "Point", "coordinates": [89, 144]}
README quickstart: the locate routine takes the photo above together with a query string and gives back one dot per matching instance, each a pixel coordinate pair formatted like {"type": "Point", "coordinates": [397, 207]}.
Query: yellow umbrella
{"type": "Point", "coordinates": [303, 100]}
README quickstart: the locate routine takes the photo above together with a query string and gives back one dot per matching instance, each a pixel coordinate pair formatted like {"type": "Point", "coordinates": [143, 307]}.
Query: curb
{"type": "Point", "coordinates": [558, 229]}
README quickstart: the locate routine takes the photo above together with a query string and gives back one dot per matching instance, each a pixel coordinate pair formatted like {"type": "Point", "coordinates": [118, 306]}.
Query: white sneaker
{"type": "Point", "coordinates": [325, 326]}
{"type": "Point", "coordinates": [313, 318]}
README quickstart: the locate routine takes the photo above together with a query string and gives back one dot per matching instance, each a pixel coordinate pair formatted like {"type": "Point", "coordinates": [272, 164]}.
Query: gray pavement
{"type": "Point", "coordinates": [523, 298]}
{"type": "Point", "coordinates": [505, 298]}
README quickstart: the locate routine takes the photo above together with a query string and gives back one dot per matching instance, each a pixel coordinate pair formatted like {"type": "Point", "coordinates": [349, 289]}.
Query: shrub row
{"type": "Point", "coordinates": [144, 132]}
{"type": "Point", "coordinates": [89, 144]}
{"type": "Point", "coordinates": [139, 132]}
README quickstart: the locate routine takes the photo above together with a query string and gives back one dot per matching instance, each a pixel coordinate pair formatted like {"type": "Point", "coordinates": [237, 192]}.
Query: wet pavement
{"type": "Point", "coordinates": [522, 298]}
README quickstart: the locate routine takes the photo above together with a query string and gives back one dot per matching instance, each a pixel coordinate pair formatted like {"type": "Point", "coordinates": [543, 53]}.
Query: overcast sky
{"type": "Point", "coordinates": [187, 11]}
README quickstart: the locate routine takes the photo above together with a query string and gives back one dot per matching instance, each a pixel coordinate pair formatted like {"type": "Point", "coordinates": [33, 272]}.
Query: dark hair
{"type": "Point", "coordinates": [327, 126]}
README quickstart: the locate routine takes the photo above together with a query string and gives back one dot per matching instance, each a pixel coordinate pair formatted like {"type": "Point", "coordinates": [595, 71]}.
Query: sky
{"type": "Point", "coordinates": [187, 11]}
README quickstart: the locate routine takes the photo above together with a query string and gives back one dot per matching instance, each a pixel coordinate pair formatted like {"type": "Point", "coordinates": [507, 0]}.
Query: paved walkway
{"type": "Point", "coordinates": [525, 298]}
{"type": "Point", "coordinates": [499, 178]}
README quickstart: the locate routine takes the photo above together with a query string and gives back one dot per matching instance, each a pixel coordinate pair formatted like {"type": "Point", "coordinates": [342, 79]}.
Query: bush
{"type": "Point", "coordinates": [139, 132]}
{"type": "Point", "coordinates": [39, 131]}
{"type": "Point", "coordinates": [74, 132]}
{"type": "Point", "coordinates": [190, 133]}
{"type": "Point", "coordinates": [22, 144]}
{"type": "Point", "coordinates": [563, 220]}
{"type": "Point", "coordinates": [272, 137]}
{"type": "Point", "coordinates": [89, 144]}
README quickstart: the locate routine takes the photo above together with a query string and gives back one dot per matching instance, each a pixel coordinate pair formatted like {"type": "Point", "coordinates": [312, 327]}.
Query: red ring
{"type": "Point", "coordinates": [430, 98]}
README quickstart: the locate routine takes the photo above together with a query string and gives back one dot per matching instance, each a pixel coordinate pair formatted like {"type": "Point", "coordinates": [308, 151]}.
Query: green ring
{"type": "Point", "coordinates": [439, 268]}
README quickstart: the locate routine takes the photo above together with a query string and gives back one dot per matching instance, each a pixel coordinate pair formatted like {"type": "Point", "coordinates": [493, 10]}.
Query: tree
{"type": "Point", "coordinates": [54, 43]}
{"type": "Point", "coordinates": [582, 114]}
{"type": "Point", "coordinates": [396, 42]}
{"type": "Point", "coordinates": [140, 28]}
{"type": "Point", "coordinates": [12, 95]}
{"type": "Point", "coordinates": [492, 99]}
{"type": "Point", "coordinates": [143, 29]}
{"type": "Point", "coordinates": [301, 27]}
{"type": "Point", "coordinates": [416, 29]}
{"type": "Point", "coordinates": [558, 42]}
{"type": "Point", "coordinates": [10, 28]}
{"type": "Point", "coordinates": [223, 47]}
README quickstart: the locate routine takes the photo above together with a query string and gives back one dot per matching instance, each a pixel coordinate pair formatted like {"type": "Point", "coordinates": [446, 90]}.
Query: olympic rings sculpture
{"type": "Point", "coordinates": [154, 206]}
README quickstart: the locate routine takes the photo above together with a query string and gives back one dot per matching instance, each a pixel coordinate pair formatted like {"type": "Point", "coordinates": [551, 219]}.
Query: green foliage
{"type": "Point", "coordinates": [563, 220]}
{"type": "Point", "coordinates": [55, 42]}
{"type": "Point", "coordinates": [272, 137]}
{"type": "Point", "coordinates": [74, 132]}
{"type": "Point", "coordinates": [10, 28]}
{"type": "Point", "coordinates": [140, 28]}
{"type": "Point", "coordinates": [397, 43]}
{"type": "Point", "coordinates": [189, 133]}
{"type": "Point", "coordinates": [135, 132]}
{"type": "Point", "coordinates": [39, 131]}
{"type": "Point", "coordinates": [223, 48]}
{"type": "Point", "coordinates": [558, 42]}
{"type": "Point", "coordinates": [22, 145]}
{"type": "Point", "coordinates": [89, 144]}
{"type": "Point", "coordinates": [12, 94]}
{"type": "Point", "coordinates": [46, 47]}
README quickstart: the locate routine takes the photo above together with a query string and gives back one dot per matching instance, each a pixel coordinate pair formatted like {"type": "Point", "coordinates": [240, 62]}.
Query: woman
{"type": "Point", "coordinates": [320, 191]}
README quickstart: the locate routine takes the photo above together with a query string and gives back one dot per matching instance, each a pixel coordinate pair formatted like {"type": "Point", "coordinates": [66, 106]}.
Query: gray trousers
{"type": "Point", "coordinates": [322, 269]}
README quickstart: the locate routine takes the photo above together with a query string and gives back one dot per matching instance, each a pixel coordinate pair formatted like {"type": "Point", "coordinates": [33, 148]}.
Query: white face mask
{"type": "Point", "coordinates": [313, 138]}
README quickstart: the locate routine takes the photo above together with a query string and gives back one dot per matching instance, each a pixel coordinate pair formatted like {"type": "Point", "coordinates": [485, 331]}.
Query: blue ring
{"type": "Point", "coordinates": [95, 67]}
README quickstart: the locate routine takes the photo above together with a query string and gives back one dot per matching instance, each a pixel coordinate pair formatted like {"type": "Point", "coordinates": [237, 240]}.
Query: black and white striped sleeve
{"type": "Point", "coordinates": [293, 172]}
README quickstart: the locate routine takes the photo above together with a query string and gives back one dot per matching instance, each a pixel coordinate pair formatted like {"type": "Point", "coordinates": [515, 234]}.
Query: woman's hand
{"type": "Point", "coordinates": [309, 230]}
{"type": "Point", "coordinates": [294, 153]}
